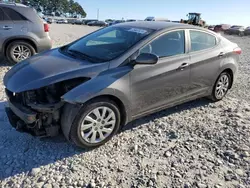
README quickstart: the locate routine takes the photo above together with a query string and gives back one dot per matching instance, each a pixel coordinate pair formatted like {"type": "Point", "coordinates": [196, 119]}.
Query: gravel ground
{"type": "Point", "coordinates": [197, 144]}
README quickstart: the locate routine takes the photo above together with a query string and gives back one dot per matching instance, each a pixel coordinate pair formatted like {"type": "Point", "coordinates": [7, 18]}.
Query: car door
{"type": "Point", "coordinates": [6, 25]}
{"type": "Point", "coordinates": [206, 54]}
{"type": "Point", "coordinates": [154, 86]}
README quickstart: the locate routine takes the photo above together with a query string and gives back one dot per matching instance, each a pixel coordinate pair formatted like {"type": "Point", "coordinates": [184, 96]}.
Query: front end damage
{"type": "Point", "coordinates": [38, 112]}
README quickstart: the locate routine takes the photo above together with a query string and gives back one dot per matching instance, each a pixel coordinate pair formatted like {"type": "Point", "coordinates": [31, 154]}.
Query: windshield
{"type": "Point", "coordinates": [107, 44]}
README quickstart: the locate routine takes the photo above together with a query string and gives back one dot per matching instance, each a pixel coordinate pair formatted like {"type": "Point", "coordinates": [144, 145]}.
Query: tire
{"type": "Point", "coordinates": [14, 45]}
{"type": "Point", "coordinates": [75, 134]}
{"type": "Point", "coordinates": [214, 96]}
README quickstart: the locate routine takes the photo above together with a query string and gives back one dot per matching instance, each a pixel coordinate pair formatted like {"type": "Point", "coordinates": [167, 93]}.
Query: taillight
{"type": "Point", "coordinates": [46, 27]}
{"type": "Point", "coordinates": [237, 50]}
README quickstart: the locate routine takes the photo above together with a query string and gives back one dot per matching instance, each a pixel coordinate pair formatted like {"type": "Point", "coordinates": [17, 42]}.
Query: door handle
{"type": "Point", "coordinates": [221, 54]}
{"type": "Point", "coordinates": [7, 27]}
{"type": "Point", "coordinates": [183, 66]}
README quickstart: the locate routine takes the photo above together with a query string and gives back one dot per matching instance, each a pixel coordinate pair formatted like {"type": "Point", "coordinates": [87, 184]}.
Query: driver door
{"type": "Point", "coordinates": [155, 86]}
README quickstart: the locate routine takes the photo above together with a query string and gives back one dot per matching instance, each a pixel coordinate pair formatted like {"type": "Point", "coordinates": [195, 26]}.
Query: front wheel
{"type": "Point", "coordinates": [96, 123]}
{"type": "Point", "coordinates": [221, 87]}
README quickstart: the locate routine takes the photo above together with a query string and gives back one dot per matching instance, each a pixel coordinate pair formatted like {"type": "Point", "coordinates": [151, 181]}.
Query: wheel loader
{"type": "Point", "coordinates": [194, 19]}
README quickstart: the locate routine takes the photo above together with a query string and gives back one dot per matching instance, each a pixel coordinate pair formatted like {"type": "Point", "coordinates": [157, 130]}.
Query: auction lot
{"type": "Point", "coordinates": [197, 144]}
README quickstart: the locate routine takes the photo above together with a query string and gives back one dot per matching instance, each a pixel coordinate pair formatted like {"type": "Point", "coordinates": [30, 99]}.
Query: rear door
{"type": "Point", "coordinates": [6, 28]}
{"type": "Point", "coordinates": [19, 22]}
{"type": "Point", "coordinates": [206, 55]}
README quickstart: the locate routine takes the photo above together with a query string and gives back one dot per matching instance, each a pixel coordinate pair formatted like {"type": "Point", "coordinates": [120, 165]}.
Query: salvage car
{"type": "Point", "coordinates": [247, 31]}
{"type": "Point", "coordinates": [221, 28]}
{"type": "Point", "coordinates": [62, 21]}
{"type": "Point", "coordinates": [235, 30]}
{"type": "Point", "coordinates": [95, 85]}
{"type": "Point", "coordinates": [98, 23]}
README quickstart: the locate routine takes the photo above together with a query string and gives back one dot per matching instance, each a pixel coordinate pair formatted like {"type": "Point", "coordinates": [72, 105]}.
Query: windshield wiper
{"type": "Point", "coordinates": [84, 56]}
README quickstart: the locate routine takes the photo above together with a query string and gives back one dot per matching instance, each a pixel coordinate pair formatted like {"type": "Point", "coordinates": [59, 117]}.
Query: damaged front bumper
{"type": "Point", "coordinates": [37, 119]}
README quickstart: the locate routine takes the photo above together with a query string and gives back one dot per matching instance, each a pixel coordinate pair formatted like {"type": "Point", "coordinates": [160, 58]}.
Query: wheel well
{"type": "Point", "coordinates": [119, 104]}
{"type": "Point", "coordinates": [230, 72]}
{"type": "Point", "coordinates": [20, 39]}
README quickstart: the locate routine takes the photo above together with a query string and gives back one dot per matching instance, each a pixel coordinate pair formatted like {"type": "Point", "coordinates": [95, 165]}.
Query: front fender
{"type": "Point", "coordinates": [114, 82]}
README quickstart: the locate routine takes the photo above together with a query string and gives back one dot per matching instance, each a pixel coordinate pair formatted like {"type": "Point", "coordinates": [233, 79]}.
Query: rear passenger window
{"type": "Point", "coordinates": [13, 14]}
{"type": "Point", "coordinates": [1, 15]}
{"type": "Point", "coordinates": [166, 45]}
{"type": "Point", "coordinates": [201, 40]}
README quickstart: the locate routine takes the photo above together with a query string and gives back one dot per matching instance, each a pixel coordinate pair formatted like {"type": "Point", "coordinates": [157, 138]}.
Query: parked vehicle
{"type": "Point", "coordinates": [95, 85]}
{"type": "Point", "coordinates": [88, 21]}
{"type": "Point", "coordinates": [194, 18]}
{"type": "Point", "coordinates": [211, 27]}
{"type": "Point", "coordinates": [247, 31]}
{"type": "Point", "coordinates": [117, 22]}
{"type": "Point", "coordinates": [131, 20]}
{"type": "Point", "coordinates": [62, 21]}
{"type": "Point", "coordinates": [78, 22]}
{"type": "Point", "coordinates": [109, 20]}
{"type": "Point", "coordinates": [235, 29]}
{"type": "Point", "coordinates": [151, 18]}
{"type": "Point", "coordinates": [221, 28]}
{"type": "Point", "coordinates": [98, 23]}
{"type": "Point", "coordinates": [49, 20]}
{"type": "Point", "coordinates": [22, 32]}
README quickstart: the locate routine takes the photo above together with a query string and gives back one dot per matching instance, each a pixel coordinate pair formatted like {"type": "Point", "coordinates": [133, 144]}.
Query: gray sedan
{"type": "Point", "coordinates": [92, 87]}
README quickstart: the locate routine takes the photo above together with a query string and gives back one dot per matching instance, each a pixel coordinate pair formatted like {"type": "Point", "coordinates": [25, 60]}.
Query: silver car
{"type": "Point", "coordinates": [97, 84]}
{"type": "Point", "coordinates": [22, 32]}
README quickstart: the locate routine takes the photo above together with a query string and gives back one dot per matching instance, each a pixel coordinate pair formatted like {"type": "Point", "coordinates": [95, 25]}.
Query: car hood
{"type": "Point", "coordinates": [48, 68]}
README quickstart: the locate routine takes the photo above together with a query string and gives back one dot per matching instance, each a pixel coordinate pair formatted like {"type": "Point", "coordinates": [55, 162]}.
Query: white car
{"type": "Point", "coordinates": [61, 21]}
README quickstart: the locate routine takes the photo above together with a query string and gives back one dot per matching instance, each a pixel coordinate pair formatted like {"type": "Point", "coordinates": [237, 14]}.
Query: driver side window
{"type": "Point", "coordinates": [170, 44]}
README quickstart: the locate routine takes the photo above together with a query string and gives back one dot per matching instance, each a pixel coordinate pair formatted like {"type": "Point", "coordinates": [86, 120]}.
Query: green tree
{"type": "Point", "coordinates": [59, 7]}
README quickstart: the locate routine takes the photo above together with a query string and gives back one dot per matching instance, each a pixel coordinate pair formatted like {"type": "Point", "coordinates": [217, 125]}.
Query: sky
{"type": "Point", "coordinates": [213, 11]}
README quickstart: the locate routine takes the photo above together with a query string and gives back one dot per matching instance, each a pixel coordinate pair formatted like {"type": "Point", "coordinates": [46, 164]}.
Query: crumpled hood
{"type": "Point", "coordinates": [48, 68]}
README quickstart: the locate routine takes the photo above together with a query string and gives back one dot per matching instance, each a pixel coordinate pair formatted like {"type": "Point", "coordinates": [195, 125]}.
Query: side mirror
{"type": "Point", "coordinates": [146, 59]}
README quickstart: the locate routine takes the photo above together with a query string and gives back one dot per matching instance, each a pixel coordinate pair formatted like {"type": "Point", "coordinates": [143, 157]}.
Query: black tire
{"type": "Point", "coordinates": [12, 45]}
{"type": "Point", "coordinates": [213, 96]}
{"type": "Point", "coordinates": [75, 132]}
{"type": "Point", "coordinates": [241, 34]}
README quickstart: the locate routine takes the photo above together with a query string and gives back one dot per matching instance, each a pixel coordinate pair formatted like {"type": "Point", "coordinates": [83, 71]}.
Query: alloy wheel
{"type": "Point", "coordinates": [98, 124]}
{"type": "Point", "coordinates": [222, 86]}
{"type": "Point", "coordinates": [20, 52]}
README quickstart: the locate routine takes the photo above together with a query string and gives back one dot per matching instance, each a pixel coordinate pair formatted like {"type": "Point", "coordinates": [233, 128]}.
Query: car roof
{"type": "Point", "coordinates": [13, 5]}
{"type": "Point", "coordinates": [159, 25]}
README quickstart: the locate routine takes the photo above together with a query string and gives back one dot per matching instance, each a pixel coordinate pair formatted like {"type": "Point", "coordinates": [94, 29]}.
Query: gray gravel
{"type": "Point", "coordinates": [197, 144]}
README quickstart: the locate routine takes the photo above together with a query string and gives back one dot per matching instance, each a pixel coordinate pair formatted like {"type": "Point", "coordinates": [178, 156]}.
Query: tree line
{"type": "Point", "coordinates": [56, 7]}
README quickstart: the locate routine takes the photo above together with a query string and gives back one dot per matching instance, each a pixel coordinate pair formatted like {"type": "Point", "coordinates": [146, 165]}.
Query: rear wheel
{"type": "Point", "coordinates": [18, 51]}
{"type": "Point", "coordinates": [221, 86]}
{"type": "Point", "coordinates": [241, 34]}
{"type": "Point", "coordinates": [96, 123]}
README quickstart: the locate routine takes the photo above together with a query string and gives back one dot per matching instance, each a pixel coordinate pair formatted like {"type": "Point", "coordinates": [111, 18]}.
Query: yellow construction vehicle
{"type": "Point", "coordinates": [194, 19]}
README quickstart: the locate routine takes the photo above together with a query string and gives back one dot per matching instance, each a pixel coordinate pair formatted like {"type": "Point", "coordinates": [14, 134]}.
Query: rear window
{"type": "Point", "coordinates": [13, 14]}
